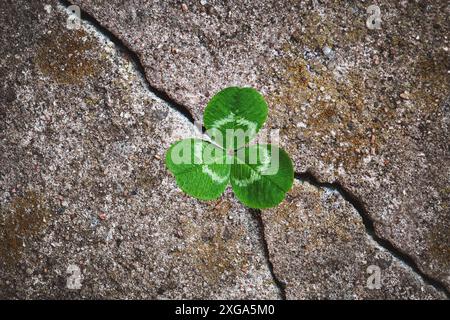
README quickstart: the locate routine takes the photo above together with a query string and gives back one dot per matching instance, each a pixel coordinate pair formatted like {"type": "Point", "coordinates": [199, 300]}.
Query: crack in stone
{"type": "Point", "coordinates": [136, 61]}
{"type": "Point", "coordinates": [256, 214]}
{"type": "Point", "coordinates": [306, 176]}
{"type": "Point", "coordinates": [370, 229]}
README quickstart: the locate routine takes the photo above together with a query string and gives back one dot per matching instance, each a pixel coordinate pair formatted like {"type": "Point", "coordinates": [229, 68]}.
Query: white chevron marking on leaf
{"type": "Point", "coordinates": [254, 176]}
{"type": "Point", "coordinates": [213, 175]}
{"type": "Point", "coordinates": [265, 160]}
{"type": "Point", "coordinates": [218, 123]}
{"type": "Point", "coordinates": [231, 117]}
{"type": "Point", "coordinates": [251, 126]}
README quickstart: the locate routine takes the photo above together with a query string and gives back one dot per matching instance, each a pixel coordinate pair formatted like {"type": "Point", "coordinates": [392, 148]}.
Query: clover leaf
{"type": "Point", "coordinates": [236, 110]}
{"type": "Point", "coordinates": [200, 168]}
{"type": "Point", "coordinates": [259, 174]}
{"type": "Point", "coordinates": [262, 183]}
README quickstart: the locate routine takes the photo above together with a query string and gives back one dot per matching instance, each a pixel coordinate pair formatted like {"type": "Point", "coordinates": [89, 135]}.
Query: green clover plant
{"type": "Point", "coordinates": [260, 174]}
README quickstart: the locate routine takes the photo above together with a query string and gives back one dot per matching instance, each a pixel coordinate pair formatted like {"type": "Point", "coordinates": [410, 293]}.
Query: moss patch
{"type": "Point", "coordinates": [217, 250]}
{"type": "Point", "coordinates": [24, 218]}
{"type": "Point", "coordinates": [68, 57]}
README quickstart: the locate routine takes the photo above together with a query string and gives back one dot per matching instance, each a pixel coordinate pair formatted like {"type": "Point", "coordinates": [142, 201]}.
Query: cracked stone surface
{"type": "Point", "coordinates": [82, 142]}
{"type": "Point", "coordinates": [367, 108]}
{"type": "Point", "coordinates": [320, 250]}
{"type": "Point", "coordinates": [83, 183]}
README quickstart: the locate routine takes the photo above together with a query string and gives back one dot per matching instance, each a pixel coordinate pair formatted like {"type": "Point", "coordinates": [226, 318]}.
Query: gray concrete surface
{"type": "Point", "coordinates": [83, 137]}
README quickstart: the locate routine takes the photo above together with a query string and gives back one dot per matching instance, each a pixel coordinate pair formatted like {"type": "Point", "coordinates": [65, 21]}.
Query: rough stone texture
{"type": "Point", "coordinates": [367, 108]}
{"type": "Point", "coordinates": [83, 180]}
{"type": "Point", "coordinates": [320, 250]}
{"type": "Point", "coordinates": [82, 142]}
